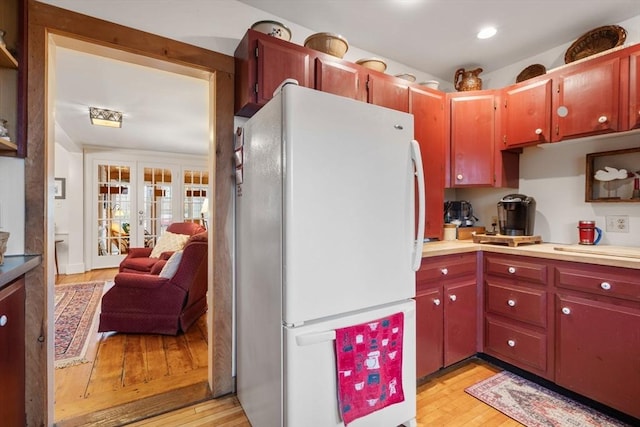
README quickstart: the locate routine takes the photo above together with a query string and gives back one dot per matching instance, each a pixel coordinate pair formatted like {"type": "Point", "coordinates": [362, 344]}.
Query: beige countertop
{"type": "Point", "coordinates": [616, 256]}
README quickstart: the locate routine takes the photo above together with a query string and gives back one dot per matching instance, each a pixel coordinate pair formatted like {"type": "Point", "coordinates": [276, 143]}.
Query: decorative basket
{"type": "Point", "coordinates": [595, 41]}
{"type": "Point", "coordinates": [333, 44]}
{"type": "Point", "coordinates": [530, 72]}
{"type": "Point", "coordinates": [4, 236]}
{"type": "Point", "coordinates": [376, 64]}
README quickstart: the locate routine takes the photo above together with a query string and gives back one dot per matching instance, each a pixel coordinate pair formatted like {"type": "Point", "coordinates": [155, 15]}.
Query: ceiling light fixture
{"type": "Point", "coordinates": [103, 117]}
{"type": "Point", "coordinates": [487, 32]}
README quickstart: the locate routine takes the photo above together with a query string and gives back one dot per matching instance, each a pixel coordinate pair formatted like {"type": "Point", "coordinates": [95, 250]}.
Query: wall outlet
{"type": "Point", "coordinates": [617, 223]}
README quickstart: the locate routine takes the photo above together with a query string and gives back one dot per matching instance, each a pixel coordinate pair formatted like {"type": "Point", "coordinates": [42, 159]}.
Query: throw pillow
{"type": "Point", "coordinates": [170, 268]}
{"type": "Point", "coordinates": [169, 242]}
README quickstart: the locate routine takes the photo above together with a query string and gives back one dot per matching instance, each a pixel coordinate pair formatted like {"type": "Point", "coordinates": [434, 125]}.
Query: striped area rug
{"type": "Point", "coordinates": [76, 308]}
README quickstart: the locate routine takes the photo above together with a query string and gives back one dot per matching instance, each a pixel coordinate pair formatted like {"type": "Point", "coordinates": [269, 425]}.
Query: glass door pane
{"type": "Point", "coordinates": [156, 210]}
{"type": "Point", "coordinates": [195, 201]}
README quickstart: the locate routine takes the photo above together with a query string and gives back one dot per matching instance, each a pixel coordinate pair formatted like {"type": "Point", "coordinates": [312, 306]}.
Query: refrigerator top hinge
{"type": "Point", "coordinates": [292, 325]}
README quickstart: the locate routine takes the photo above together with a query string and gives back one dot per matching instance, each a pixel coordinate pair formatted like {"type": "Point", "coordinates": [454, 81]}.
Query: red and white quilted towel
{"type": "Point", "coordinates": [369, 363]}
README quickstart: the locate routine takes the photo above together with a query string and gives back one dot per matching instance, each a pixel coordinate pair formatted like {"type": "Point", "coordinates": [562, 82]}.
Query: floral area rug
{"type": "Point", "coordinates": [536, 406]}
{"type": "Point", "coordinates": [76, 307]}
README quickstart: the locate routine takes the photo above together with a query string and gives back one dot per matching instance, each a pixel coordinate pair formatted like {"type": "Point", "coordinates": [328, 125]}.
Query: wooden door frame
{"type": "Point", "coordinates": [40, 21]}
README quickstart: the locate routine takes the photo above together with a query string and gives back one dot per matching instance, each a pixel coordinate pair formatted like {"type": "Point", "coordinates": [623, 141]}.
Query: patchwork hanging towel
{"type": "Point", "coordinates": [369, 364]}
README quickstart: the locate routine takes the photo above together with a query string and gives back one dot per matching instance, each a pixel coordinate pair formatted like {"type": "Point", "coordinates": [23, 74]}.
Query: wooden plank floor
{"type": "Point", "coordinates": [441, 401]}
{"type": "Point", "coordinates": [130, 375]}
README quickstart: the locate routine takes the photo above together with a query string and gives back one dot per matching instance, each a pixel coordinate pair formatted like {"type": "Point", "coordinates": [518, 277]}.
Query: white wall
{"type": "Point", "coordinates": [12, 203]}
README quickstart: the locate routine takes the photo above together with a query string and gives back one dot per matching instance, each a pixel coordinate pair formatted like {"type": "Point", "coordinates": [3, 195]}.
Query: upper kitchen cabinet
{"type": "Point", "coordinates": [526, 118]}
{"type": "Point", "coordinates": [427, 107]}
{"type": "Point", "coordinates": [340, 78]}
{"type": "Point", "coordinates": [11, 80]}
{"type": "Point", "coordinates": [262, 63]}
{"type": "Point", "coordinates": [388, 91]}
{"type": "Point", "coordinates": [587, 98]}
{"type": "Point", "coordinates": [634, 90]}
{"type": "Point", "coordinates": [472, 132]}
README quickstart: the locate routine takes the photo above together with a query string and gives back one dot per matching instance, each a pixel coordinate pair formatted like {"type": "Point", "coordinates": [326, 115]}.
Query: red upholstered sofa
{"type": "Point", "coordinates": [147, 303]}
{"type": "Point", "coordinates": [138, 260]}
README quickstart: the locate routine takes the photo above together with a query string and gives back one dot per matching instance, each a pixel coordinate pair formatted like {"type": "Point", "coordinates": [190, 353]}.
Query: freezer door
{"type": "Point", "coordinates": [348, 205]}
{"type": "Point", "coordinates": [310, 373]}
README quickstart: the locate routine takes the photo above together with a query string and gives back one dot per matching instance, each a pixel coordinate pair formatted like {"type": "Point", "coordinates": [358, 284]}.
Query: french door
{"type": "Point", "coordinates": [133, 203]}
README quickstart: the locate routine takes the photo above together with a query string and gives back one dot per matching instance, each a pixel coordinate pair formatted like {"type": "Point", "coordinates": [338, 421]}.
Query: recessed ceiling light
{"type": "Point", "coordinates": [487, 32]}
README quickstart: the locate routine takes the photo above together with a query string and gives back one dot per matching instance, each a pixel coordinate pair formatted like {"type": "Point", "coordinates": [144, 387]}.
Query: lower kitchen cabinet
{"type": "Point", "coordinates": [12, 362]}
{"type": "Point", "coordinates": [447, 311]}
{"type": "Point", "coordinates": [597, 334]}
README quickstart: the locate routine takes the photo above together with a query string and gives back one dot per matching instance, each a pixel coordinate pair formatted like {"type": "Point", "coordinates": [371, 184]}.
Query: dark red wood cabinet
{"type": "Point", "coordinates": [388, 91]}
{"type": "Point", "coordinates": [526, 118]}
{"type": "Point", "coordinates": [447, 311]}
{"type": "Point", "coordinates": [634, 90]}
{"type": "Point", "coordinates": [472, 135]}
{"type": "Point", "coordinates": [597, 341]}
{"type": "Point", "coordinates": [262, 64]}
{"type": "Point", "coordinates": [12, 355]}
{"type": "Point", "coordinates": [427, 107]}
{"type": "Point", "coordinates": [340, 78]}
{"type": "Point", "coordinates": [589, 94]}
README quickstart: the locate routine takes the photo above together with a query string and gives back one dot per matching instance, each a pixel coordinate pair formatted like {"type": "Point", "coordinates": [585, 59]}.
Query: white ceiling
{"type": "Point", "coordinates": [435, 36]}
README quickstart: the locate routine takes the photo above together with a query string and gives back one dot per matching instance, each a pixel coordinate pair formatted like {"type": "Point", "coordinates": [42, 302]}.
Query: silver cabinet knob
{"type": "Point", "coordinates": [3, 320]}
{"type": "Point", "coordinates": [538, 131]}
{"type": "Point", "coordinates": [603, 119]}
{"type": "Point", "coordinates": [605, 285]}
{"type": "Point", "coordinates": [511, 303]}
{"type": "Point", "coordinates": [511, 343]}
{"type": "Point", "coordinates": [436, 301]}
{"type": "Point", "coordinates": [511, 270]}
{"type": "Point", "coordinates": [444, 271]}
{"type": "Point", "coordinates": [566, 310]}
{"type": "Point", "coordinates": [453, 297]}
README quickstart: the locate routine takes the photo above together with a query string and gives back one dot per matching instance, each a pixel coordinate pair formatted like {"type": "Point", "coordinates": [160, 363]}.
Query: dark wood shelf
{"type": "Point", "coordinates": [615, 191]}
{"type": "Point", "coordinates": [6, 59]}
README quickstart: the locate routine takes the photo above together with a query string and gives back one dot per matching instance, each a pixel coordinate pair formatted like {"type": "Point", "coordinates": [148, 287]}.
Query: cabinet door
{"type": "Point", "coordinates": [339, 78]}
{"type": "Point", "coordinates": [527, 114]}
{"type": "Point", "coordinates": [472, 139]}
{"type": "Point", "coordinates": [460, 320]}
{"type": "Point", "coordinates": [590, 95]}
{"type": "Point", "coordinates": [634, 90]}
{"type": "Point", "coordinates": [598, 351]}
{"type": "Point", "coordinates": [388, 91]}
{"type": "Point", "coordinates": [427, 108]}
{"type": "Point", "coordinates": [277, 63]}
{"type": "Point", "coordinates": [12, 366]}
{"type": "Point", "coordinates": [429, 338]}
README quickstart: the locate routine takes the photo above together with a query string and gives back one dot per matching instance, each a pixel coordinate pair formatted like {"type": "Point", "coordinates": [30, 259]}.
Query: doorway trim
{"type": "Point", "coordinates": [41, 20]}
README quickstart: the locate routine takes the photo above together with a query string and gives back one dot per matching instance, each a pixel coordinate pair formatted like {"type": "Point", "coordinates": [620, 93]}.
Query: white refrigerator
{"type": "Point", "coordinates": [326, 237]}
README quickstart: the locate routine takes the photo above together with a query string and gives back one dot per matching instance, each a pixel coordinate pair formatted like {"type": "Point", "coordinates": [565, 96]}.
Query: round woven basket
{"type": "Point", "coordinates": [333, 44]}
{"type": "Point", "coordinates": [530, 72]}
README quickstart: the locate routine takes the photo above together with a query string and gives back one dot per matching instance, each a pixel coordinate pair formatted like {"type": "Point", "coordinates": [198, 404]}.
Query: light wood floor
{"type": "Point", "coordinates": [441, 401]}
{"type": "Point", "coordinates": [130, 375]}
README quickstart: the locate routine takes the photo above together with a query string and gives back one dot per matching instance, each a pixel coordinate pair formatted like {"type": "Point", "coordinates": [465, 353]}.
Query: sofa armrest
{"type": "Point", "coordinates": [139, 252]}
{"type": "Point", "coordinates": [140, 281]}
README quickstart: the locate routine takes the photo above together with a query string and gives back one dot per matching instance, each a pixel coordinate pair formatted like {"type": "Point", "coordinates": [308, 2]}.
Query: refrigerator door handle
{"type": "Point", "coordinates": [417, 161]}
{"type": "Point", "coordinates": [315, 338]}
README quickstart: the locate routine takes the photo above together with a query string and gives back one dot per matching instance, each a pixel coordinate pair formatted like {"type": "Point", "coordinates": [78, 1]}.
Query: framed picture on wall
{"type": "Point", "coordinates": [59, 188]}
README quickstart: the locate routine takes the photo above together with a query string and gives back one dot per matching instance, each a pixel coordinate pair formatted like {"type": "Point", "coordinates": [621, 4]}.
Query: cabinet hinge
{"type": "Point", "coordinates": [504, 139]}
{"type": "Point", "coordinates": [256, 88]}
{"type": "Point", "coordinates": [557, 130]}
{"type": "Point", "coordinates": [256, 52]}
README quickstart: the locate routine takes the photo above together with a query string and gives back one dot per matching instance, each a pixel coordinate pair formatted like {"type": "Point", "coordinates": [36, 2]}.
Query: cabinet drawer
{"type": "Point", "coordinates": [447, 267]}
{"type": "Point", "coordinates": [527, 305]}
{"type": "Point", "coordinates": [517, 345]}
{"type": "Point", "coordinates": [611, 281]}
{"type": "Point", "coordinates": [517, 269]}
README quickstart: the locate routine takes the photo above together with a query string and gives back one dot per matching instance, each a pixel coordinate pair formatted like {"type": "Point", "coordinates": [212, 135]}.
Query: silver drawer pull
{"type": "Point", "coordinates": [511, 303]}
{"type": "Point", "coordinates": [566, 310]}
{"type": "Point", "coordinates": [444, 271]}
{"type": "Point", "coordinates": [512, 270]}
{"type": "Point", "coordinates": [3, 320]}
{"type": "Point", "coordinates": [605, 285]}
{"type": "Point", "coordinates": [511, 343]}
{"type": "Point", "coordinates": [453, 297]}
{"type": "Point", "coordinates": [436, 301]}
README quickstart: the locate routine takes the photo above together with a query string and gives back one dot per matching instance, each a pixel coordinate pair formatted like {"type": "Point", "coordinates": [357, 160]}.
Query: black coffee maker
{"type": "Point", "coordinates": [516, 215]}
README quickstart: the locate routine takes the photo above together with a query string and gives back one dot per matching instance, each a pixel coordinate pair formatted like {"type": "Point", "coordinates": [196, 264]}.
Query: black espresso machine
{"type": "Point", "coordinates": [516, 215]}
